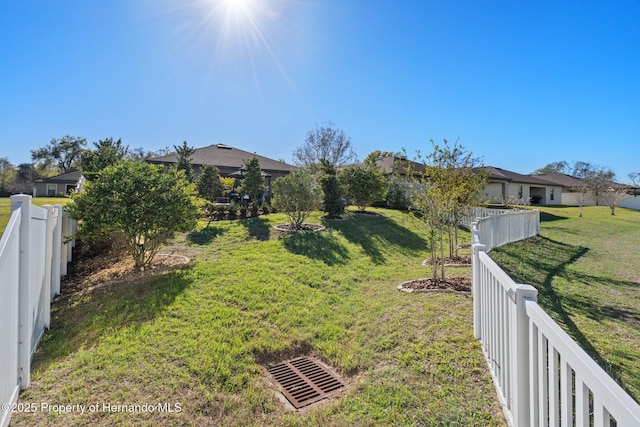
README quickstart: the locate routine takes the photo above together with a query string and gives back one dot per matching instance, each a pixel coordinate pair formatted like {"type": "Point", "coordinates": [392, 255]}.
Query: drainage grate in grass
{"type": "Point", "coordinates": [303, 381]}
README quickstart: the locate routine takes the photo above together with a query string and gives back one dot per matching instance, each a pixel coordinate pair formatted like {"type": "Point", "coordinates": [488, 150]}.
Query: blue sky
{"type": "Point", "coordinates": [521, 84]}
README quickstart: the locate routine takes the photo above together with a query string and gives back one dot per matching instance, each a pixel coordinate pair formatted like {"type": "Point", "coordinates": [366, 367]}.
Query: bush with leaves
{"type": "Point", "coordinates": [142, 202]}
{"type": "Point", "coordinates": [208, 183]}
{"type": "Point", "coordinates": [297, 195]}
{"type": "Point", "coordinates": [364, 185]}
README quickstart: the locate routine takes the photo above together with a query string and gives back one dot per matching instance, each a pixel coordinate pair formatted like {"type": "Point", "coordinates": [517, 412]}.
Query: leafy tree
{"type": "Point", "coordinates": [140, 154]}
{"type": "Point", "coordinates": [333, 204]}
{"type": "Point", "coordinates": [208, 183]}
{"type": "Point", "coordinates": [554, 167]}
{"type": "Point", "coordinates": [184, 153]}
{"type": "Point", "coordinates": [64, 152]}
{"type": "Point", "coordinates": [253, 182]}
{"type": "Point", "coordinates": [449, 184]}
{"type": "Point", "coordinates": [7, 172]}
{"type": "Point", "coordinates": [24, 179]}
{"type": "Point", "coordinates": [142, 202]}
{"type": "Point", "coordinates": [107, 152]}
{"type": "Point", "coordinates": [397, 193]}
{"type": "Point", "coordinates": [297, 196]}
{"type": "Point", "coordinates": [364, 185]}
{"type": "Point", "coordinates": [325, 142]}
{"type": "Point", "coordinates": [227, 184]}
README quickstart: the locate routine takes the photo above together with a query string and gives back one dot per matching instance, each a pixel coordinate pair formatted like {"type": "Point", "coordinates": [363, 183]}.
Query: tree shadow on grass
{"type": "Point", "coordinates": [83, 320]}
{"type": "Point", "coordinates": [547, 217]}
{"type": "Point", "coordinates": [538, 261]}
{"type": "Point", "coordinates": [257, 227]}
{"type": "Point", "coordinates": [204, 236]}
{"type": "Point", "coordinates": [317, 245]}
{"type": "Point", "coordinates": [374, 233]}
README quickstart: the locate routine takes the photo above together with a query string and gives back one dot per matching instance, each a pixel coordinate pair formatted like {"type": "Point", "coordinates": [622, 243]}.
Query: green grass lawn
{"type": "Point", "coordinates": [587, 272]}
{"type": "Point", "coordinates": [200, 335]}
{"type": "Point", "coordinates": [5, 206]}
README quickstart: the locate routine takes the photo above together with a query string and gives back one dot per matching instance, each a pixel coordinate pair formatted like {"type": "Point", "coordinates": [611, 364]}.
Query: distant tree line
{"type": "Point", "coordinates": [67, 154]}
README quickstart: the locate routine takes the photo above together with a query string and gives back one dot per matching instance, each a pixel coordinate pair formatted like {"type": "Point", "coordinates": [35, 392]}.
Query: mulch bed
{"type": "Point", "coordinates": [305, 226]}
{"type": "Point", "coordinates": [449, 284]}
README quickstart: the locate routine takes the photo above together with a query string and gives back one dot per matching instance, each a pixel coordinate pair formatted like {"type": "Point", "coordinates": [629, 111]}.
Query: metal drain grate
{"type": "Point", "coordinates": [303, 381]}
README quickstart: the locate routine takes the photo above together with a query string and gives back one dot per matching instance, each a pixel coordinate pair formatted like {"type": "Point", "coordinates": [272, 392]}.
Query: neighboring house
{"type": "Point", "coordinates": [230, 162]}
{"type": "Point", "coordinates": [505, 185]}
{"type": "Point", "coordinates": [58, 185]}
{"type": "Point", "coordinates": [572, 185]}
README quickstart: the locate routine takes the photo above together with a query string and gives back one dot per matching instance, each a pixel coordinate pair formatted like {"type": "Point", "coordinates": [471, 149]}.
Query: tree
{"type": "Point", "coordinates": [448, 186]}
{"type": "Point", "coordinates": [325, 142]}
{"type": "Point", "coordinates": [64, 152]}
{"type": "Point", "coordinates": [364, 185]}
{"type": "Point", "coordinates": [613, 196]}
{"type": "Point", "coordinates": [297, 196]}
{"type": "Point", "coordinates": [227, 184]}
{"type": "Point", "coordinates": [184, 153]}
{"type": "Point", "coordinates": [554, 167]}
{"type": "Point", "coordinates": [140, 154]}
{"type": "Point", "coordinates": [24, 179]}
{"type": "Point", "coordinates": [7, 172]}
{"type": "Point", "coordinates": [141, 202]}
{"type": "Point", "coordinates": [635, 179]}
{"type": "Point", "coordinates": [332, 203]}
{"type": "Point", "coordinates": [595, 181]}
{"type": "Point", "coordinates": [253, 182]}
{"type": "Point", "coordinates": [107, 152]}
{"type": "Point", "coordinates": [208, 183]}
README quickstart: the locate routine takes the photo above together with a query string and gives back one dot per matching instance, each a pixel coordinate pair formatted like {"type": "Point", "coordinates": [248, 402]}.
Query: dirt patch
{"type": "Point", "coordinates": [449, 284]}
{"type": "Point", "coordinates": [106, 262]}
{"type": "Point", "coordinates": [459, 261]}
{"type": "Point", "coordinates": [305, 226]}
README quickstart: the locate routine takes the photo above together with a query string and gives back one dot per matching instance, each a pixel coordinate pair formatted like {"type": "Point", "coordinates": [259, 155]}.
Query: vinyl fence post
{"type": "Point", "coordinates": [48, 261]}
{"type": "Point", "coordinates": [520, 355]}
{"type": "Point", "coordinates": [55, 256]}
{"type": "Point", "coordinates": [23, 202]}
{"type": "Point", "coordinates": [476, 291]}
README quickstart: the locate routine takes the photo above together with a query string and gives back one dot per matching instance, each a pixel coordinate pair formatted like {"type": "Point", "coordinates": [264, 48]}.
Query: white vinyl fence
{"type": "Point", "coordinates": [33, 255]}
{"type": "Point", "coordinates": [508, 227]}
{"type": "Point", "coordinates": [543, 378]}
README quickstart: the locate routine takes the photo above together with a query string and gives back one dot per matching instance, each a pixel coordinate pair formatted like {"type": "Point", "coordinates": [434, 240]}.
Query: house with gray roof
{"type": "Point", "coordinates": [230, 161]}
{"type": "Point", "coordinates": [58, 185]}
{"type": "Point", "coordinates": [507, 186]}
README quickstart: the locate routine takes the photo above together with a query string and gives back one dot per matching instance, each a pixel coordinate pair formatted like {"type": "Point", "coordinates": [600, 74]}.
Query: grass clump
{"type": "Point", "coordinates": [587, 274]}
{"type": "Point", "coordinates": [199, 336]}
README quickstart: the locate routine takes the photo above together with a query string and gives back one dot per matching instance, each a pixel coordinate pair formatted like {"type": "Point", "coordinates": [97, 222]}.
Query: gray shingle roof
{"type": "Point", "coordinates": [221, 155]}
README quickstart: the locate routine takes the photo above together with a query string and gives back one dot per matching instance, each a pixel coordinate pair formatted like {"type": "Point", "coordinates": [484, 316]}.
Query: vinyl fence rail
{"type": "Point", "coordinates": [542, 376]}
{"type": "Point", "coordinates": [34, 252]}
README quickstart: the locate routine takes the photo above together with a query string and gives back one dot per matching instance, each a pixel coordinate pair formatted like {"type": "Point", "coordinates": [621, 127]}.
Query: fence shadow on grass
{"type": "Point", "coordinates": [538, 261]}
{"type": "Point", "coordinates": [82, 321]}
{"type": "Point", "coordinates": [373, 233]}
{"type": "Point", "coordinates": [317, 245]}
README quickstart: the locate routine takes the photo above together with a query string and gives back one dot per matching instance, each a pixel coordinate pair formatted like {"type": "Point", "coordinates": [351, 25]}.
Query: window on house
{"type": "Point", "coordinates": [520, 192]}
{"type": "Point", "coordinates": [52, 189]}
{"type": "Point", "coordinates": [552, 193]}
